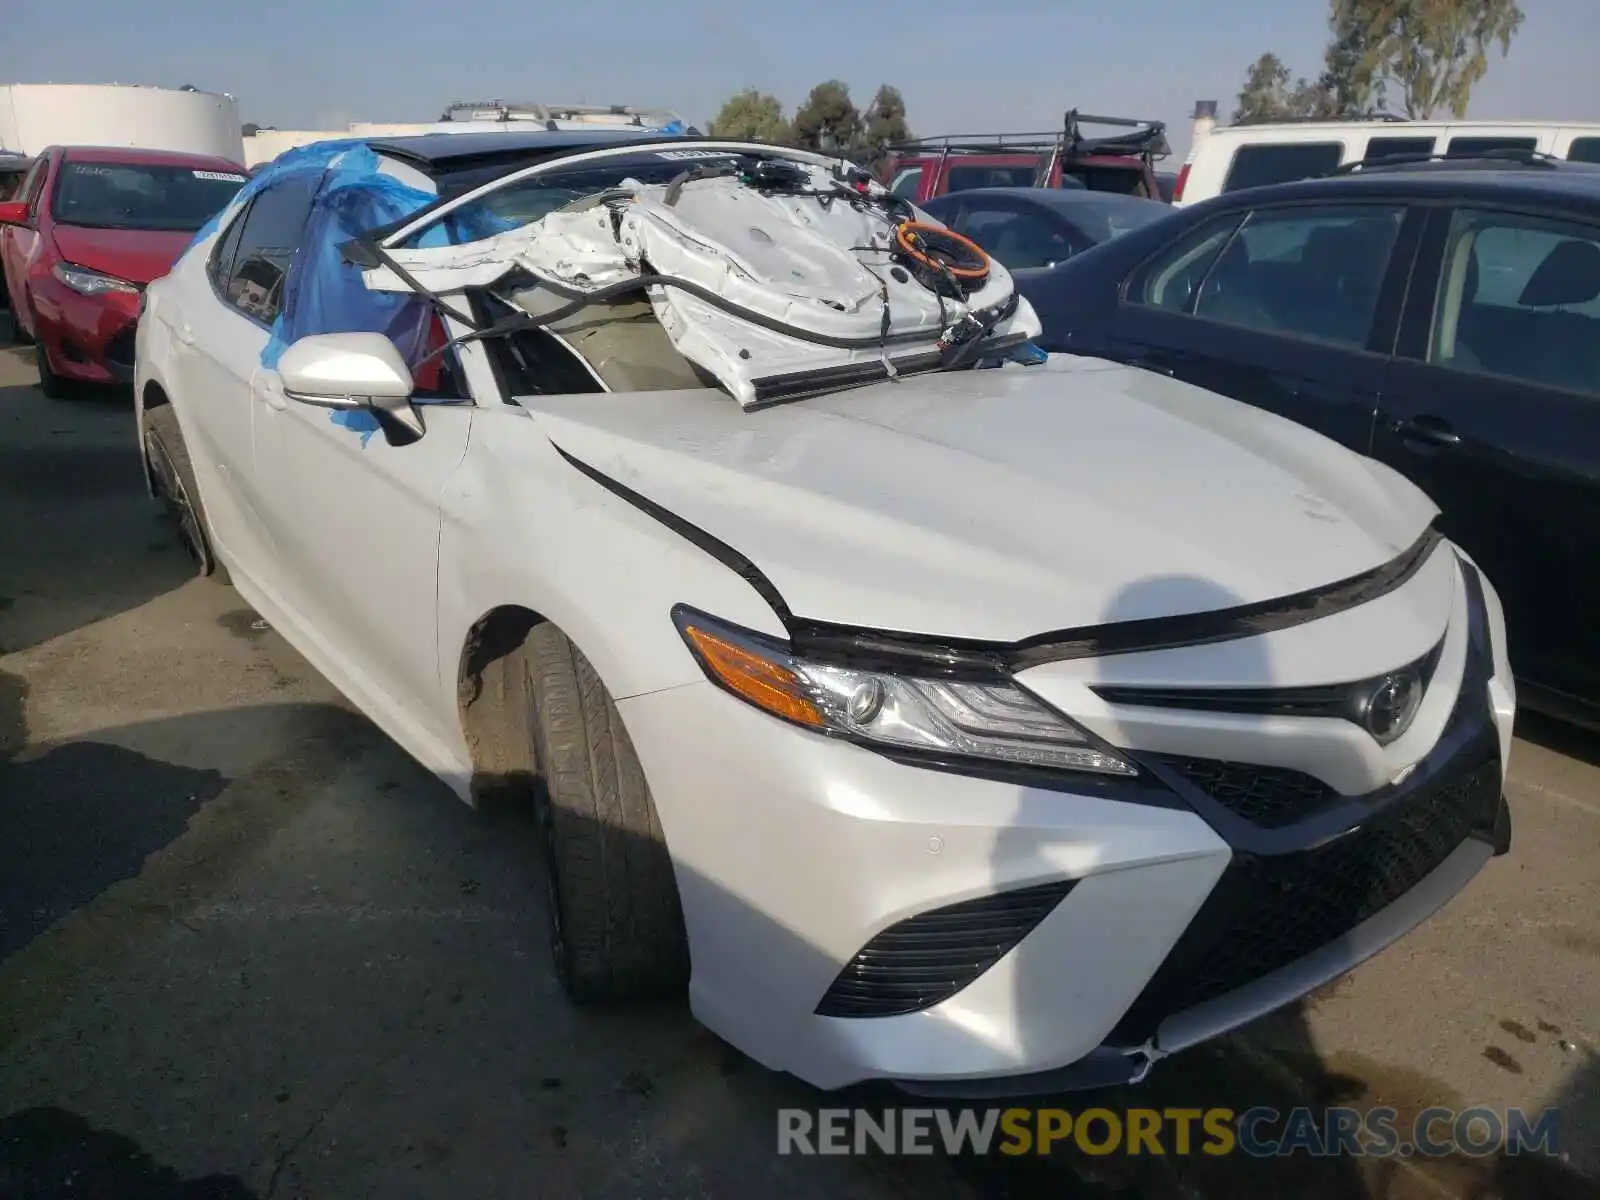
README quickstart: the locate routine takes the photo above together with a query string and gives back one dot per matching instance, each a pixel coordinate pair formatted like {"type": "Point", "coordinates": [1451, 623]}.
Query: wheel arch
{"type": "Point", "coordinates": [151, 395]}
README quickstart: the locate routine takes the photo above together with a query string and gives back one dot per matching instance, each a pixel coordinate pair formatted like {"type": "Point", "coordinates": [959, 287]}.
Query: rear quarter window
{"type": "Point", "coordinates": [1281, 162]}
{"type": "Point", "coordinates": [1398, 147]}
{"type": "Point", "coordinates": [1584, 149]}
{"type": "Point", "coordinates": [1466, 147]}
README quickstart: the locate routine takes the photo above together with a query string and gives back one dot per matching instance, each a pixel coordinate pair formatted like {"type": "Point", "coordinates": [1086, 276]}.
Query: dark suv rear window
{"type": "Point", "coordinates": [1257, 166]}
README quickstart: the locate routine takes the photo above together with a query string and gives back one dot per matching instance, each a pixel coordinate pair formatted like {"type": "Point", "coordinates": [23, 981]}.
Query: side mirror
{"type": "Point", "coordinates": [353, 370]}
{"type": "Point", "coordinates": [14, 212]}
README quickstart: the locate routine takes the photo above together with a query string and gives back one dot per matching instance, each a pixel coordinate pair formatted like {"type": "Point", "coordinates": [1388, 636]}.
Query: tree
{"type": "Point", "coordinates": [883, 125]}
{"type": "Point", "coordinates": [1433, 51]}
{"type": "Point", "coordinates": [1350, 84]}
{"type": "Point", "coordinates": [828, 121]}
{"type": "Point", "coordinates": [752, 116]}
{"type": "Point", "coordinates": [1265, 96]}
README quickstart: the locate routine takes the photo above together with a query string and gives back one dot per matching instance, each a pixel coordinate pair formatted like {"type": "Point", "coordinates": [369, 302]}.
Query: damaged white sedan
{"type": "Point", "coordinates": [934, 714]}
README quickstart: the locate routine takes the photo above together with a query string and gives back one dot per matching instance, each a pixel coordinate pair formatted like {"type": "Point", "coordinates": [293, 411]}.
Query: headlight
{"type": "Point", "coordinates": [92, 283]}
{"type": "Point", "coordinates": [994, 720]}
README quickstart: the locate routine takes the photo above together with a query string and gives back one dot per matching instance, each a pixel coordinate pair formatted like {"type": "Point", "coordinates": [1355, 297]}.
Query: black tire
{"type": "Point", "coordinates": [175, 486]}
{"type": "Point", "coordinates": [616, 920]}
{"type": "Point", "coordinates": [52, 385]}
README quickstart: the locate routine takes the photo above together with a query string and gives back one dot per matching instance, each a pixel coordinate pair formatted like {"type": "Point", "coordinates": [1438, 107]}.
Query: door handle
{"type": "Point", "coordinates": [1433, 432]}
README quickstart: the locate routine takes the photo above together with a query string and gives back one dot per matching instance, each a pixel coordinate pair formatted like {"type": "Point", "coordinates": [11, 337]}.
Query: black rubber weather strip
{"type": "Point", "coordinates": [719, 550]}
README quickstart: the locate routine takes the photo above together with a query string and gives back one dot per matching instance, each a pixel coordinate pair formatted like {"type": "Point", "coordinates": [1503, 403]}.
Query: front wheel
{"type": "Point", "coordinates": [50, 384]}
{"type": "Point", "coordinates": [168, 456]}
{"type": "Point", "coordinates": [616, 921]}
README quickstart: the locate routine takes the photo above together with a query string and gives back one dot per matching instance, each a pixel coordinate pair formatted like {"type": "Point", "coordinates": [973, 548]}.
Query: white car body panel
{"type": "Point", "coordinates": [914, 506]}
{"type": "Point", "coordinates": [990, 506]}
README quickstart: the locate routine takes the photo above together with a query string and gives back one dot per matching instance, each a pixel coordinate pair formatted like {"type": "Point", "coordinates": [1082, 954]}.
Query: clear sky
{"type": "Point", "coordinates": [302, 64]}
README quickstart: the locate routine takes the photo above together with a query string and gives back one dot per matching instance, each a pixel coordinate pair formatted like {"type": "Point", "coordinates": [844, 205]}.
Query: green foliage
{"type": "Point", "coordinates": [1431, 52]}
{"type": "Point", "coordinates": [828, 121]}
{"type": "Point", "coordinates": [752, 116]}
{"type": "Point", "coordinates": [883, 125]}
{"type": "Point", "coordinates": [1434, 51]}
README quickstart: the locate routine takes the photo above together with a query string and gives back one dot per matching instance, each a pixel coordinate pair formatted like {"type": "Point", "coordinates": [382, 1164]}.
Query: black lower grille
{"type": "Point", "coordinates": [928, 958]}
{"type": "Point", "coordinates": [1271, 797]}
{"type": "Point", "coordinates": [119, 350]}
{"type": "Point", "coordinates": [1269, 910]}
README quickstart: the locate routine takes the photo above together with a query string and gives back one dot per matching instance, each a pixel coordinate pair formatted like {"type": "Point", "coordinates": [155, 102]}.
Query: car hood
{"type": "Point", "coordinates": [137, 255]}
{"type": "Point", "coordinates": [1002, 504]}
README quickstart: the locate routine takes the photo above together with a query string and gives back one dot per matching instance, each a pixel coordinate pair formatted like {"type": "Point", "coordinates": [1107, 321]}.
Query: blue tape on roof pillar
{"type": "Point", "coordinates": [325, 294]}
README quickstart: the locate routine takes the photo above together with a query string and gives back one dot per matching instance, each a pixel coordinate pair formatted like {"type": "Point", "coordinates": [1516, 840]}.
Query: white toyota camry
{"type": "Point", "coordinates": [933, 714]}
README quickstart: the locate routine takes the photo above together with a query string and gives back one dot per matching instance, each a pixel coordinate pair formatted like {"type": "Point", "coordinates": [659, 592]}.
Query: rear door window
{"type": "Point", "coordinates": [269, 236]}
{"type": "Point", "coordinates": [1469, 147]}
{"type": "Point", "coordinates": [1584, 149]}
{"type": "Point", "coordinates": [1281, 162]}
{"type": "Point", "coordinates": [1520, 298]}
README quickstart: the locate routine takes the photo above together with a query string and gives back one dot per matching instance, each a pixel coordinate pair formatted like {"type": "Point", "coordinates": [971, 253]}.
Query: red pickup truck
{"type": "Point", "coordinates": [1120, 162]}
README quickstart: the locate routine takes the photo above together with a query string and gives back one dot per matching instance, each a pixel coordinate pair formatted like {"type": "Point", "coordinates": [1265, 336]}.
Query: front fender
{"type": "Point", "coordinates": [521, 526]}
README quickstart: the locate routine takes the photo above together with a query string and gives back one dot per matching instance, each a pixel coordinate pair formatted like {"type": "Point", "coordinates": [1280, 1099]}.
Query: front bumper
{"type": "Point", "coordinates": [1088, 932]}
{"type": "Point", "coordinates": [88, 338]}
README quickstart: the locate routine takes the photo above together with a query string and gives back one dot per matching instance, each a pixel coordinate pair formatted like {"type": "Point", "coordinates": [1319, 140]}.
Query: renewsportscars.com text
{"type": "Point", "coordinates": [1256, 1132]}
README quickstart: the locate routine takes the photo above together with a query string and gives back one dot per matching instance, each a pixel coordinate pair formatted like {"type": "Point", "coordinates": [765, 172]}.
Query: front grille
{"type": "Point", "coordinates": [119, 350]}
{"type": "Point", "coordinates": [928, 958]}
{"type": "Point", "coordinates": [1267, 911]}
{"type": "Point", "coordinates": [1271, 797]}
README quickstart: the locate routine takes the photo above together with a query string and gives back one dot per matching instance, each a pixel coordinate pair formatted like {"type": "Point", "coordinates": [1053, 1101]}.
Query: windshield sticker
{"type": "Point", "coordinates": [84, 169]}
{"type": "Point", "coordinates": [682, 154]}
{"type": "Point", "coordinates": [220, 176]}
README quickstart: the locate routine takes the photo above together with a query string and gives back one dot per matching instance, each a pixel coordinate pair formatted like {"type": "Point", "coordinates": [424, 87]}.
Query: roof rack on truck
{"type": "Point", "coordinates": [1143, 139]}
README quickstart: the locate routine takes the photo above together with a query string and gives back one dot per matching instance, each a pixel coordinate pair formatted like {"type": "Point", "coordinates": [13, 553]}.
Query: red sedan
{"type": "Point", "coordinates": [90, 227]}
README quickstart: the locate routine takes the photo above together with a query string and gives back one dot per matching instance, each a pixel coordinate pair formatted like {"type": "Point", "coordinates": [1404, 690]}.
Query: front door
{"type": "Point", "coordinates": [1493, 408]}
{"type": "Point", "coordinates": [1285, 310]}
{"type": "Point", "coordinates": [356, 524]}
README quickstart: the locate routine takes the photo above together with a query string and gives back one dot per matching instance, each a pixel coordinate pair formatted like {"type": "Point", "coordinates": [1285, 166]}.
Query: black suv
{"type": "Point", "coordinates": [1441, 317]}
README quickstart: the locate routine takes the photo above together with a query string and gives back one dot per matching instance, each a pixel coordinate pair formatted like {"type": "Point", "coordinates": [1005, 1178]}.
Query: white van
{"type": "Point", "coordinates": [1231, 157]}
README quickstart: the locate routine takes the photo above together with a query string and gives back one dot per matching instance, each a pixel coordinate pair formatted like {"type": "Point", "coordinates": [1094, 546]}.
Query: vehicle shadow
{"type": "Point", "coordinates": [79, 817]}
{"type": "Point", "coordinates": [1573, 741]}
{"type": "Point", "coordinates": [82, 541]}
{"type": "Point", "coordinates": [49, 1153]}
